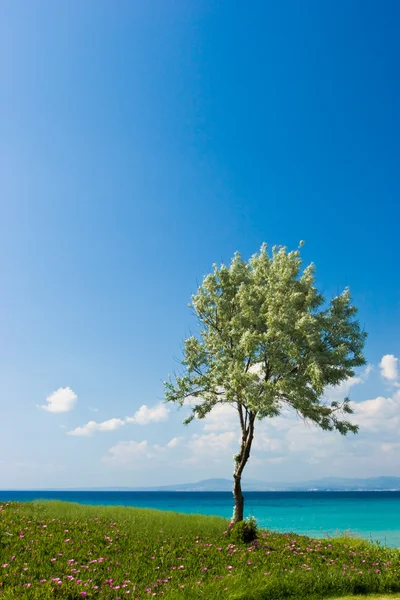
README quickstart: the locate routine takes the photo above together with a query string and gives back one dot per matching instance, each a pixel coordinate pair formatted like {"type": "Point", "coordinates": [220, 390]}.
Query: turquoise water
{"type": "Point", "coordinates": [374, 515]}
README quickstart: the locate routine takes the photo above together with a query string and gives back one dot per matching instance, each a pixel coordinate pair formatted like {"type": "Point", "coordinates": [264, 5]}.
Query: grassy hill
{"type": "Point", "coordinates": [68, 551]}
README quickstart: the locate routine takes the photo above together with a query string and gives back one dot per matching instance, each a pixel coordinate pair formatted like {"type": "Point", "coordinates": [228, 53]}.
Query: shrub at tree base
{"type": "Point", "coordinates": [243, 532]}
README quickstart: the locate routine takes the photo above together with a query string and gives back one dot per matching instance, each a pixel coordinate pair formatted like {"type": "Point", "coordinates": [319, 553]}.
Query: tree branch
{"type": "Point", "coordinates": [240, 411]}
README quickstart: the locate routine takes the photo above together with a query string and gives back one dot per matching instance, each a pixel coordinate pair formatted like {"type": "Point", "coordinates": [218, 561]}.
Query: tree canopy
{"type": "Point", "coordinates": [268, 340]}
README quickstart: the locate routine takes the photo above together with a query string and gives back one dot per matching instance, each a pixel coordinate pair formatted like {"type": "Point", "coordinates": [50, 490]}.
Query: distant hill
{"type": "Point", "coordinates": [340, 483]}
{"type": "Point", "coordinates": [326, 484]}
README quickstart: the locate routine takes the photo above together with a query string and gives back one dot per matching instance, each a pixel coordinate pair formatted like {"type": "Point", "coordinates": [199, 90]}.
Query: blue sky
{"type": "Point", "coordinates": [143, 141]}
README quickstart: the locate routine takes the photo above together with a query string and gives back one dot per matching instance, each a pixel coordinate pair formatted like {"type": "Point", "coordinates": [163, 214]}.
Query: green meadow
{"type": "Point", "coordinates": [69, 551]}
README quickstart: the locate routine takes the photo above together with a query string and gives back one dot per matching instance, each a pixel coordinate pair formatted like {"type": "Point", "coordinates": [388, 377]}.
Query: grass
{"type": "Point", "coordinates": [368, 597]}
{"type": "Point", "coordinates": [69, 552]}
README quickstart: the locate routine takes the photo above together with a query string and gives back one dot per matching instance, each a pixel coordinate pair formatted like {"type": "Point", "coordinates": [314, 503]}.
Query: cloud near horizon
{"type": "Point", "coordinates": [285, 440]}
{"type": "Point", "coordinates": [136, 454]}
{"type": "Point", "coordinates": [287, 437]}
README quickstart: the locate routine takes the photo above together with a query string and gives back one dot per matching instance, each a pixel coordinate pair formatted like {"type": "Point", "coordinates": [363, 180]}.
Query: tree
{"type": "Point", "coordinates": [267, 341]}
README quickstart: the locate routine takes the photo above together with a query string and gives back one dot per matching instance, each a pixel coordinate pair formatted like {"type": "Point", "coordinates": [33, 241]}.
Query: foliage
{"type": "Point", "coordinates": [268, 342]}
{"type": "Point", "coordinates": [243, 532]}
{"type": "Point", "coordinates": [63, 551]}
{"type": "Point", "coordinates": [265, 344]}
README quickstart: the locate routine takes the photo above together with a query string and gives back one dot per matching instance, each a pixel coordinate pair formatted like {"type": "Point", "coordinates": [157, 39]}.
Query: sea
{"type": "Point", "coordinates": [372, 515]}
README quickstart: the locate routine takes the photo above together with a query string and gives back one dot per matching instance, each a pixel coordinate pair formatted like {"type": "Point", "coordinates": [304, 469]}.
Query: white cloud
{"type": "Point", "coordinates": [136, 454]}
{"type": "Point", "coordinates": [285, 445]}
{"type": "Point", "coordinates": [339, 392]}
{"type": "Point", "coordinates": [93, 426]}
{"type": "Point", "coordinates": [379, 423]}
{"type": "Point", "coordinates": [275, 439]}
{"type": "Point", "coordinates": [143, 416]}
{"type": "Point", "coordinates": [125, 453]}
{"type": "Point", "coordinates": [289, 439]}
{"type": "Point", "coordinates": [391, 447]}
{"type": "Point", "coordinates": [212, 447]}
{"type": "Point", "coordinates": [368, 370]}
{"type": "Point", "coordinates": [61, 401]}
{"type": "Point", "coordinates": [257, 369]}
{"type": "Point", "coordinates": [389, 368]}
{"type": "Point", "coordinates": [263, 443]}
{"type": "Point", "coordinates": [146, 415]}
{"type": "Point", "coordinates": [265, 460]}
{"type": "Point", "coordinates": [174, 442]}
{"type": "Point", "coordinates": [223, 417]}
{"type": "Point", "coordinates": [379, 414]}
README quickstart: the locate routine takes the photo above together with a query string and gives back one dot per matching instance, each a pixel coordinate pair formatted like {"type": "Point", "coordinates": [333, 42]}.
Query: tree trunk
{"type": "Point", "coordinates": [247, 425]}
{"type": "Point", "coordinates": [239, 500]}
